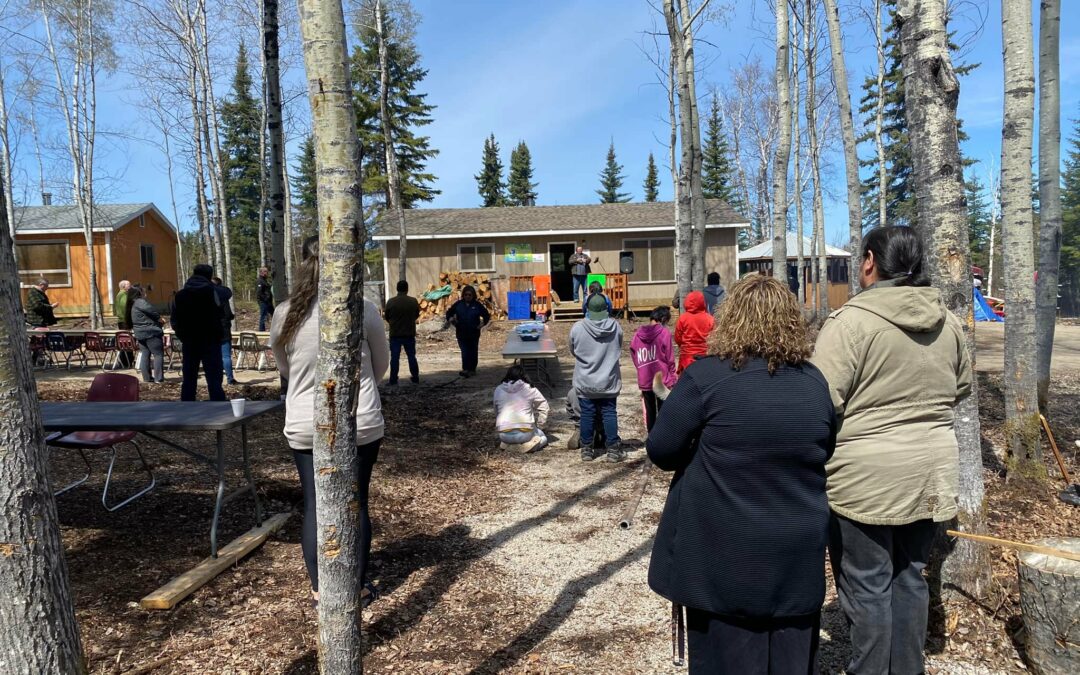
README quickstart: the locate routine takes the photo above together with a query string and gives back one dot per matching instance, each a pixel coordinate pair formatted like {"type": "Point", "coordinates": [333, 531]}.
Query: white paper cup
{"type": "Point", "coordinates": [237, 407]}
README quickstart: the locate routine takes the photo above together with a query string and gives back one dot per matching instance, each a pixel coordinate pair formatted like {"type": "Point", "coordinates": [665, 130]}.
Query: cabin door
{"type": "Point", "coordinates": [562, 282]}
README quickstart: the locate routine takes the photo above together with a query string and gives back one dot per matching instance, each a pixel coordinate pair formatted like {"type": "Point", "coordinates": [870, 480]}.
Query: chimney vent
{"type": "Point", "coordinates": [46, 199]}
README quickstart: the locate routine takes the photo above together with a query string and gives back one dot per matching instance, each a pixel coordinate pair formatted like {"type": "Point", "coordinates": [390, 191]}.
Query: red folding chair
{"type": "Point", "coordinates": [125, 344]}
{"type": "Point", "coordinates": [105, 387]}
{"type": "Point", "coordinates": [97, 347]}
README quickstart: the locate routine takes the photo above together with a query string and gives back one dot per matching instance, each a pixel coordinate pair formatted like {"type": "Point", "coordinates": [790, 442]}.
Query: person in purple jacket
{"type": "Point", "coordinates": [652, 353]}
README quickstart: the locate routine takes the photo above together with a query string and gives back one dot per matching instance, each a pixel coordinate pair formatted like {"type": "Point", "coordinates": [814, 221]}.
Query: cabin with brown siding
{"type": "Point", "coordinates": [759, 259]}
{"type": "Point", "coordinates": [135, 242]}
{"type": "Point", "coordinates": [511, 241]}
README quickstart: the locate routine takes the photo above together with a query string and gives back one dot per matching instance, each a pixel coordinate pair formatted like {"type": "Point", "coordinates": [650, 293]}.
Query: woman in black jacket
{"type": "Point", "coordinates": [146, 327]}
{"type": "Point", "coordinates": [741, 542]}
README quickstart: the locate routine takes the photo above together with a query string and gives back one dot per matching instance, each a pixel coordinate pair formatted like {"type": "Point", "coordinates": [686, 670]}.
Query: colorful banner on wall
{"type": "Point", "coordinates": [518, 253]}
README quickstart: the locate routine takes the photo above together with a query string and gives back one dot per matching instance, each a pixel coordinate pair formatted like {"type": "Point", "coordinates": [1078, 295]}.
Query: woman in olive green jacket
{"type": "Point", "coordinates": [896, 363]}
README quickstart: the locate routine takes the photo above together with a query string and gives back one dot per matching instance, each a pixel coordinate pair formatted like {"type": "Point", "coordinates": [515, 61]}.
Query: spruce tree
{"type": "Point", "coordinates": [717, 173]}
{"type": "Point", "coordinates": [652, 181]}
{"type": "Point", "coordinates": [241, 120]}
{"type": "Point", "coordinates": [978, 207]}
{"type": "Point", "coordinates": [409, 112]}
{"type": "Point", "coordinates": [611, 179]}
{"type": "Point", "coordinates": [521, 189]}
{"type": "Point", "coordinates": [489, 181]}
{"type": "Point", "coordinates": [305, 189]}
{"type": "Point", "coordinates": [1070, 225]}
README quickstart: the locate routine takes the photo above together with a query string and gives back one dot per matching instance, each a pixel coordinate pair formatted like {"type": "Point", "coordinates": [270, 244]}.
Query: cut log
{"type": "Point", "coordinates": [1050, 602]}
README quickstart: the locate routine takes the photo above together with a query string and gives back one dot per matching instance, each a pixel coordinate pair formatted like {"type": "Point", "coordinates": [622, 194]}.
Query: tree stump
{"type": "Point", "coordinates": [1050, 601]}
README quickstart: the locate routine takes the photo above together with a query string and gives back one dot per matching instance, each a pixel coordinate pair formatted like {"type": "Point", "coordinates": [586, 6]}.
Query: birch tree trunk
{"type": "Point", "coordinates": [213, 145]}
{"type": "Point", "coordinates": [393, 188]}
{"type": "Point", "coordinates": [697, 192]}
{"type": "Point", "coordinates": [277, 149]}
{"type": "Point", "coordinates": [340, 333]}
{"type": "Point", "coordinates": [783, 147]}
{"type": "Point", "coordinates": [847, 132]}
{"type": "Point", "coordinates": [38, 631]}
{"type": "Point", "coordinates": [800, 260]}
{"type": "Point", "coordinates": [263, 159]}
{"type": "Point", "coordinates": [289, 231]}
{"type": "Point", "coordinates": [1021, 378]}
{"type": "Point", "coordinates": [931, 91]}
{"type": "Point", "coordinates": [879, 124]}
{"type": "Point", "coordinates": [684, 260]}
{"type": "Point", "coordinates": [821, 275]}
{"type": "Point", "coordinates": [1049, 190]}
{"type": "Point", "coordinates": [5, 159]}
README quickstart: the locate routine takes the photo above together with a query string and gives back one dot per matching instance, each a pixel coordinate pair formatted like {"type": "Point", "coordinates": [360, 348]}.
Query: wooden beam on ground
{"type": "Point", "coordinates": [169, 595]}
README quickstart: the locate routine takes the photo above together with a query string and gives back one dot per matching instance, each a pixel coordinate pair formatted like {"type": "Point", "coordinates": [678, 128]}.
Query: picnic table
{"type": "Point", "coordinates": [149, 418]}
{"type": "Point", "coordinates": [533, 355]}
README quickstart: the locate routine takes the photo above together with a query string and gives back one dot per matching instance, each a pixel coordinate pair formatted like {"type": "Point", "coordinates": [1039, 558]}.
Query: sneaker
{"type": "Point", "coordinates": [575, 441]}
{"type": "Point", "coordinates": [589, 454]}
{"type": "Point", "coordinates": [616, 453]}
{"type": "Point", "coordinates": [233, 382]}
{"type": "Point", "coordinates": [415, 379]}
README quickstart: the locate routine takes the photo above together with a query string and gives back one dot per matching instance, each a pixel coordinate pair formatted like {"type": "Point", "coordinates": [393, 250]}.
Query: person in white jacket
{"type": "Point", "coordinates": [520, 412]}
{"type": "Point", "coordinates": [294, 338]}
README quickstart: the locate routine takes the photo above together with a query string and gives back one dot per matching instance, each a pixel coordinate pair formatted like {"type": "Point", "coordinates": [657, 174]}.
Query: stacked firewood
{"type": "Point", "coordinates": [456, 281]}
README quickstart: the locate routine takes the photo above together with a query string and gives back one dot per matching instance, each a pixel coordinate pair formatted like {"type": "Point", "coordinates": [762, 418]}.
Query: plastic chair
{"type": "Point", "coordinates": [249, 344]}
{"type": "Point", "coordinates": [125, 343]}
{"type": "Point", "coordinates": [37, 351]}
{"type": "Point", "coordinates": [94, 345]}
{"type": "Point", "coordinates": [110, 387]}
{"type": "Point", "coordinates": [56, 345]}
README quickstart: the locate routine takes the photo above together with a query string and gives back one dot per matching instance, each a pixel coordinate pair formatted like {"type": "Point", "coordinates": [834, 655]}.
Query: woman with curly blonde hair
{"type": "Point", "coordinates": [741, 542]}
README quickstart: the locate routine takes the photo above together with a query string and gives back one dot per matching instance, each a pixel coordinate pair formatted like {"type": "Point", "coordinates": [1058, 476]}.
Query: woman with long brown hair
{"type": "Point", "coordinates": [294, 335]}
{"type": "Point", "coordinates": [741, 542]}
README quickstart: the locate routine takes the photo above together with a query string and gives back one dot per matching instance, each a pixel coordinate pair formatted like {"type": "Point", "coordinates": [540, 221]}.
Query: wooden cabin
{"type": "Point", "coordinates": [759, 259]}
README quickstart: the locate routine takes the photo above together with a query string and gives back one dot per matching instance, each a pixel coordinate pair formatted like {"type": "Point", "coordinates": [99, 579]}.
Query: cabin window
{"type": "Point", "coordinates": [146, 255]}
{"type": "Point", "coordinates": [654, 259]}
{"type": "Point", "coordinates": [476, 257]}
{"type": "Point", "coordinates": [48, 260]}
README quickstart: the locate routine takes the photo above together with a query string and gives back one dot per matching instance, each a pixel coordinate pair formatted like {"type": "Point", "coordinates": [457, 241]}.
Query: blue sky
{"type": "Point", "coordinates": [568, 77]}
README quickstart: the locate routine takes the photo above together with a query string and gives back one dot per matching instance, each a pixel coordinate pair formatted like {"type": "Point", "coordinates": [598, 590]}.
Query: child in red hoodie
{"type": "Point", "coordinates": [692, 329]}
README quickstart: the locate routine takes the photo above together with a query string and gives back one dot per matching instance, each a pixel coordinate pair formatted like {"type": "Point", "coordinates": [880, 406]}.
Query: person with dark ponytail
{"type": "Point", "coordinates": [897, 365]}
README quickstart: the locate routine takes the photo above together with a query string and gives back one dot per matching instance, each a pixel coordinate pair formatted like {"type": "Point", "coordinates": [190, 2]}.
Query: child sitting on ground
{"type": "Point", "coordinates": [520, 412]}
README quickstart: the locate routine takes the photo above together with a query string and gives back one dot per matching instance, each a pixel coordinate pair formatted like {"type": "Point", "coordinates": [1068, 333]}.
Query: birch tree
{"type": "Point", "coordinates": [879, 123]}
{"type": "Point", "coordinates": [783, 147]}
{"type": "Point", "coordinates": [340, 333]}
{"type": "Point", "coordinates": [847, 131]}
{"type": "Point", "coordinates": [38, 631]}
{"type": "Point", "coordinates": [1021, 391]}
{"type": "Point", "coordinates": [684, 229]}
{"type": "Point", "coordinates": [810, 39]}
{"type": "Point", "coordinates": [797, 173]}
{"type": "Point", "coordinates": [5, 156]}
{"type": "Point", "coordinates": [1049, 190]}
{"type": "Point", "coordinates": [393, 188]}
{"type": "Point", "coordinates": [276, 135]}
{"type": "Point", "coordinates": [932, 90]}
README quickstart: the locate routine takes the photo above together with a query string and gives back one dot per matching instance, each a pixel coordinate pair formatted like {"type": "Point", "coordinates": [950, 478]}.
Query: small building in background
{"type": "Point", "coordinates": [135, 242]}
{"type": "Point", "coordinates": [759, 259]}
{"type": "Point", "coordinates": [516, 241]}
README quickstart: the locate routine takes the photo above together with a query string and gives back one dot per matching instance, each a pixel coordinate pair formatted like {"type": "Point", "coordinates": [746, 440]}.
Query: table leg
{"type": "Point", "coordinates": [220, 492]}
{"type": "Point", "coordinates": [248, 476]}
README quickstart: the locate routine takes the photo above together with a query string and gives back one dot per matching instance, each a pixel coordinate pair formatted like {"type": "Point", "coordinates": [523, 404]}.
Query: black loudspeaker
{"type": "Point", "coordinates": [626, 262]}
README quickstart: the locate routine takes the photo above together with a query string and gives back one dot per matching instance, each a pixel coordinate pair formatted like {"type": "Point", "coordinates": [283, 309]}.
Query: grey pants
{"type": "Point", "coordinates": [879, 579]}
{"type": "Point", "coordinates": [155, 346]}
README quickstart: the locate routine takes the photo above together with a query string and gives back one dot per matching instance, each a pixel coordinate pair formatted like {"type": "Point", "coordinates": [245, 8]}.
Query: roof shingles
{"type": "Point", "coordinates": [66, 217]}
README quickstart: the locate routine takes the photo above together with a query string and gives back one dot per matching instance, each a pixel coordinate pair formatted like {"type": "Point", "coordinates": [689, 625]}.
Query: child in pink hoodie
{"type": "Point", "coordinates": [652, 352]}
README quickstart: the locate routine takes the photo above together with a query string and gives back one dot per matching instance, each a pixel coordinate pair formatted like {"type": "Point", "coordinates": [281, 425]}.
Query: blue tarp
{"type": "Point", "coordinates": [982, 309]}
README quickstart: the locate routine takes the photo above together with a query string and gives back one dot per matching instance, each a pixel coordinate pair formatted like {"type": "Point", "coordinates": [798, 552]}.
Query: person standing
{"type": "Point", "coordinates": [146, 327]}
{"type": "Point", "coordinates": [469, 316]}
{"type": "Point", "coordinates": [692, 329]}
{"type": "Point", "coordinates": [294, 334]}
{"type": "Point", "coordinates": [741, 540]}
{"type": "Point", "coordinates": [196, 319]}
{"type": "Point", "coordinates": [896, 363]}
{"type": "Point", "coordinates": [401, 314]}
{"type": "Point", "coordinates": [39, 311]}
{"type": "Point", "coordinates": [595, 344]}
{"type": "Point", "coordinates": [120, 306]}
{"type": "Point", "coordinates": [580, 267]}
{"type": "Point", "coordinates": [227, 317]}
{"type": "Point", "coordinates": [714, 293]}
{"type": "Point", "coordinates": [652, 352]}
{"type": "Point", "coordinates": [264, 295]}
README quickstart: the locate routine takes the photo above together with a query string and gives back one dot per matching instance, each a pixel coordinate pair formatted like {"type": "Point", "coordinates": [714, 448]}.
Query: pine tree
{"type": "Point", "coordinates": [241, 120]}
{"type": "Point", "coordinates": [489, 181]}
{"type": "Point", "coordinates": [522, 190]}
{"type": "Point", "coordinates": [652, 181]}
{"type": "Point", "coordinates": [978, 208]}
{"type": "Point", "coordinates": [305, 190]}
{"type": "Point", "coordinates": [611, 179]}
{"type": "Point", "coordinates": [409, 112]}
{"type": "Point", "coordinates": [717, 173]}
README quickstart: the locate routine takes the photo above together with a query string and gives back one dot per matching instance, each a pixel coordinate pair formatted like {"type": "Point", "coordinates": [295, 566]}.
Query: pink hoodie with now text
{"type": "Point", "coordinates": [652, 352]}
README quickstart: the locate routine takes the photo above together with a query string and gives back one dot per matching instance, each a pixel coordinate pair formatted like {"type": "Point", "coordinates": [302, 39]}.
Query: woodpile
{"type": "Point", "coordinates": [456, 281]}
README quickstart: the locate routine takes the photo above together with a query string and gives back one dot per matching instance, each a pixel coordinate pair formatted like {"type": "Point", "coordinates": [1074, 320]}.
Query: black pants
{"type": "Point", "coordinates": [209, 356]}
{"type": "Point", "coordinates": [651, 404]}
{"type": "Point", "coordinates": [155, 347]}
{"type": "Point", "coordinates": [367, 455]}
{"type": "Point", "coordinates": [470, 350]}
{"type": "Point", "coordinates": [880, 584]}
{"type": "Point", "coordinates": [782, 646]}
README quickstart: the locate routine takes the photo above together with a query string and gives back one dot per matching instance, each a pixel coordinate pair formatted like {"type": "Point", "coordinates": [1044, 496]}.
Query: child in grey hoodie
{"type": "Point", "coordinates": [596, 344]}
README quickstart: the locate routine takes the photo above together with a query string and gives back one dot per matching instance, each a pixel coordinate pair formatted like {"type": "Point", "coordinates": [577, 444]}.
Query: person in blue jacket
{"type": "Point", "coordinates": [468, 316]}
{"type": "Point", "coordinates": [595, 289]}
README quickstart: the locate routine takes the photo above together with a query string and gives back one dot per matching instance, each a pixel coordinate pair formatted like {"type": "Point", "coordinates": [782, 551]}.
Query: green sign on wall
{"type": "Point", "coordinates": [518, 253]}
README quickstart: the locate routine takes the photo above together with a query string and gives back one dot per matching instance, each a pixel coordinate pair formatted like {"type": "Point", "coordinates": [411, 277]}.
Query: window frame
{"type": "Point", "coordinates": [648, 260]}
{"type": "Point", "coordinates": [461, 268]}
{"type": "Point", "coordinates": [153, 256]}
{"type": "Point", "coordinates": [39, 273]}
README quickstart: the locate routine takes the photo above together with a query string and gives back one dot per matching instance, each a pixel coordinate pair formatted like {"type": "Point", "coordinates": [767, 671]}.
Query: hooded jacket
{"type": "Point", "coordinates": [652, 352]}
{"type": "Point", "coordinates": [714, 295]}
{"type": "Point", "coordinates": [197, 314]}
{"type": "Point", "coordinates": [897, 365]}
{"type": "Point", "coordinates": [519, 406]}
{"type": "Point", "coordinates": [145, 320]}
{"type": "Point", "coordinates": [692, 329]}
{"type": "Point", "coordinates": [595, 346]}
